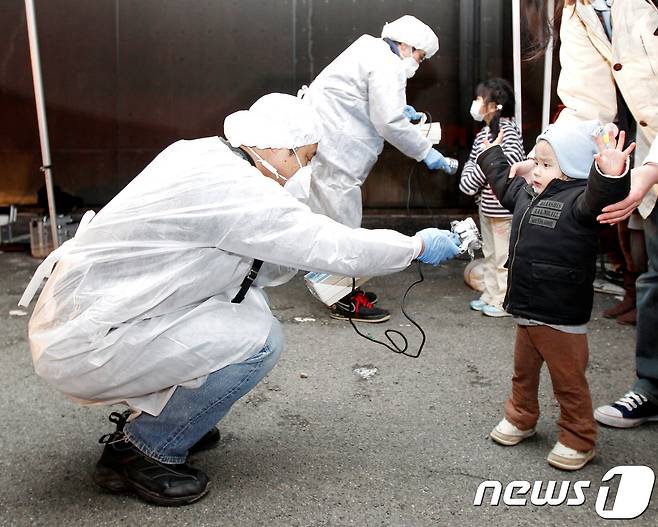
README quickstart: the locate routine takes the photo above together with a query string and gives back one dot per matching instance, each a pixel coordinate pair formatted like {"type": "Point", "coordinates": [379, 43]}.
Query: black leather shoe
{"type": "Point", "coordinates": [122, 468]}
{"type": "Point", "coordinates": [208, 441]}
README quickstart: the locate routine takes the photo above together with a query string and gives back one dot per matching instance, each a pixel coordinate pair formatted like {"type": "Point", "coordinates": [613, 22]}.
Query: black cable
{"type": "Point", "coordinates": [415, 165]}
{"type": "Point", "coordinates": [393, 346]}
{"type": "Point", "coordinates": [422, 194]}
{"type": "Point", "coordinates": [411, 172]}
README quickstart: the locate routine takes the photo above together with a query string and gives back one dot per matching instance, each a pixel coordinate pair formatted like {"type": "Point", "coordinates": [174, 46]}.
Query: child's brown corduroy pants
{"type": "Point", "coordinates": [566, 355]}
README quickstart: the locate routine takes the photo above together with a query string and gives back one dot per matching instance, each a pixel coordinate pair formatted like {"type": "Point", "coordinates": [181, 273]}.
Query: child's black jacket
{"type": "Point", "coordinates": [554, 240]}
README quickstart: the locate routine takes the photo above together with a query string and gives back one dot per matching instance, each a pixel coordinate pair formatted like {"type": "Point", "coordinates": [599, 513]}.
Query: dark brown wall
{"type": "Point", "coordinates": [125, 78]}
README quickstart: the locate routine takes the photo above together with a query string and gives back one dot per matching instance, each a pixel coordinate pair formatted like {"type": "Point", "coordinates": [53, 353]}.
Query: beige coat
{"type": "Point", "coordinates": [591, 65]}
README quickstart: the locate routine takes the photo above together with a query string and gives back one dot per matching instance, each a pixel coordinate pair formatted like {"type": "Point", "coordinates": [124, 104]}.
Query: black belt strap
{"type": "Point", "coordinates": [248, 280]}
{"type": "Point", "coordinates": [255, 267]}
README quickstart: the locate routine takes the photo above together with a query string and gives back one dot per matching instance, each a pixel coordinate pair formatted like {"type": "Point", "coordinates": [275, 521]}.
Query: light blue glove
{"type": "Point", "coordinates": [435, 161]}
{"type": "Point", "coordinates": [411, 113]}
{"type": "Point", "coordinates": [439, 245]}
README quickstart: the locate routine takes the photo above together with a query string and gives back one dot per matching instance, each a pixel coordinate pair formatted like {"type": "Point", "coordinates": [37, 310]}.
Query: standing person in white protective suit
{"type": "Point", "coordinates": [361, 100]}
{"type": "Point", "coordinates": [152, 304]}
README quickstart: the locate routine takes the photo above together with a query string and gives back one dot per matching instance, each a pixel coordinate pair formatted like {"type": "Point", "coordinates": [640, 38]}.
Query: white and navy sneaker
{"type": "Point", "coordinates": [633, 409]}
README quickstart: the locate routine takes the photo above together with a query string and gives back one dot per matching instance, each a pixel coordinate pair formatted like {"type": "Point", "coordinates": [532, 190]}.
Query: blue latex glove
{"type": "Point", "coordinates": [435, 161]}
{"type": "Point", "coordinates": [411, 113]}
{"type": "Point", "coordinates": [439, 245]}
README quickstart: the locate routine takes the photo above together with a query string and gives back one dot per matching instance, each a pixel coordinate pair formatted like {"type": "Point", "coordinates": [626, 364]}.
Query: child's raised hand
{"type": "Point", "coordinates": [522, 169]}
{"type": "Point", "coordinates": [497, 141]}
{"type": "Point", "coordinates": [612, 160]}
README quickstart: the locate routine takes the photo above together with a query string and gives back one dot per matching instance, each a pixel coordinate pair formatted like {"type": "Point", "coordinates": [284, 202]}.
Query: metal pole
{"type": "Point", "coordinates": [41, 114]}
{"type": "Point", "coordinates": [516, 37]}
{"type": "Point", "coordinates": [548, 70]}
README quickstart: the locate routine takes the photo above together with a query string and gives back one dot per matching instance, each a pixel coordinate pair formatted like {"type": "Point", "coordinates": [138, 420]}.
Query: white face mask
{"type": "Point", "coordinates": [269, 167]}
{"type": "Point", "coordinates": [299, 184]}
{"type": "Point", "coordinates": [272, 169]}
{"type": "Point", "coordinates": [475, 110]}
{"type": "Point", "coordinates": [410, 66]}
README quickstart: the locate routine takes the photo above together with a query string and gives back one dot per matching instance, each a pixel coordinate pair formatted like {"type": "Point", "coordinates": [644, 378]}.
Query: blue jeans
{"type": "Point", "coordinates": [646, 351]}
{"type": "Point", "coordinates": [191, 413]}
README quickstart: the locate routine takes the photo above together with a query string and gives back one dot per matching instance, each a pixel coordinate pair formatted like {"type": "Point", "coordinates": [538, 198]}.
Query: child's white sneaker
{"type": "Point", "coordinates": [505, 433]}
{"type": "Point", "coordinates": [567, 458]}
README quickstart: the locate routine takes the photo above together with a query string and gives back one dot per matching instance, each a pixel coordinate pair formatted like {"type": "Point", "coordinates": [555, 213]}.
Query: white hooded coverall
{"type": "Point", "coordinates": [360, 98]}
{"type": "Point", "coordinates": [140, 300]}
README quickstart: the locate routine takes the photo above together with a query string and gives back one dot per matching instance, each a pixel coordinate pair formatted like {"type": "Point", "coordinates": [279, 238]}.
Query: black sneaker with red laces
{"type": "Point", "coordinates": [357, 307]}
{"type": "Point", "coordinates": [370, 296]}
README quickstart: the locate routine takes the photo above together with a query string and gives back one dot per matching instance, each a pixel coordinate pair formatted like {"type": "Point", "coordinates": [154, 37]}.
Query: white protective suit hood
{"type": "Point", "coordinates": [275, 120]}
{"type": "Point", "coordinates": [409, 30]}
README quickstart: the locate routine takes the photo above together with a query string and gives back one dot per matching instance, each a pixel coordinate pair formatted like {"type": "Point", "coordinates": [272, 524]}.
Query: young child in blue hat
{"type": "Point", "coordinates": [552, 264]}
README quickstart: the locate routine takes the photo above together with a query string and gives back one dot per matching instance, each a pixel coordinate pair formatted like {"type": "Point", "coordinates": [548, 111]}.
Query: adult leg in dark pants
{"type": "Point", "coordinates": [641, 403]}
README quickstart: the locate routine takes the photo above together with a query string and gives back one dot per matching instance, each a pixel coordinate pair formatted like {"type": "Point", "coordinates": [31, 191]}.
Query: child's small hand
{"type": "Point", "coordinates": [522, 169]}
{"type": "Point", "coordinates": [612, 160]}
{"type": "Point", "coordinates": [497, 141]}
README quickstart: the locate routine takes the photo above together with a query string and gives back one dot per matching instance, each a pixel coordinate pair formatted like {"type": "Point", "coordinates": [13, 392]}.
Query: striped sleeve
{"type": "Point", "coordinates": [472, 180]}
{"type": "Point", "coordinates": [512, 141]}
{"type": "Point", "coordinates": [513, 149]}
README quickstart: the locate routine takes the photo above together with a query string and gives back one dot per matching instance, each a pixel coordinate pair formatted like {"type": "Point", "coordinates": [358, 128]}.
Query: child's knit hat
{"type": "Point", "coordinates": [573, 145]}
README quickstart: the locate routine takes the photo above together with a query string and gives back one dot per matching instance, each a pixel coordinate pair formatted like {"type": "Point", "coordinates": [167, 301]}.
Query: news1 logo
{"type": "Point", "coordinates": [631, 500]}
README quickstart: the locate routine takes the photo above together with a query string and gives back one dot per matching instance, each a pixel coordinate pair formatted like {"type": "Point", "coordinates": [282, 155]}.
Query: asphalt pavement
{"type": "Point", "coordinates": [341, 432]}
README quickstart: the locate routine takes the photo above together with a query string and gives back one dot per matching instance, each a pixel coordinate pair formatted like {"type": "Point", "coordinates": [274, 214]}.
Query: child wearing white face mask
{"type": "Point", "coordinates": [494, 105]}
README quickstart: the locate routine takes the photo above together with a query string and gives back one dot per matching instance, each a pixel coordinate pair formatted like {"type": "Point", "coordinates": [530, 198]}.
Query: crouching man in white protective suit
{"type": "Point", "coordinates": [153, 303]}
{"type": "Point", "coordinates": [361, 100]}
